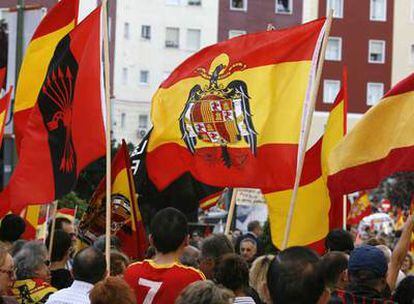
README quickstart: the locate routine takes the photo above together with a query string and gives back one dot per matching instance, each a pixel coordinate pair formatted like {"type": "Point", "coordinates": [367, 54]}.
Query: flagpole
{"type": "Point", "coordinates": [308, 123]}
{"type": "Point", "coordinates": [344, 217]}
{"type": "Point", "coordinates": [45, 223]}
{"type": "Point", "coordinates": [52, 231]}
{"type": "Point", "coordinates": [231, 212]}
{"type": "Point", "coordinates": [108, 138]}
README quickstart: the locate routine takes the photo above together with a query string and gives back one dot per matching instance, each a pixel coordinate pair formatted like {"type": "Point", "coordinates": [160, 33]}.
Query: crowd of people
{"type": "Point", "coordinates": [218, 269]}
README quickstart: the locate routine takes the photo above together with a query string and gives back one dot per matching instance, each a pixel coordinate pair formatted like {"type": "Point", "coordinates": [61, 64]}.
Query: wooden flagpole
{"type": "Point", "coordinates": [344, 215]}
{"type": "Point", "coordinates": [231, 212]}
{"type": "Point", "coordinates": [308, 123]}
{"type": "Point", "coordinates": [108, 136]}
{"type": "Point", "coordinates": [45, 224]}
{"type": "Point", "coordinates": [52, 230]}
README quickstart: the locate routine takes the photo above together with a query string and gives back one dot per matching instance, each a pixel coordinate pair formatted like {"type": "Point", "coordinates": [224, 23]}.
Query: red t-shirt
{"type": "Point", "coordinates": [156, 283]}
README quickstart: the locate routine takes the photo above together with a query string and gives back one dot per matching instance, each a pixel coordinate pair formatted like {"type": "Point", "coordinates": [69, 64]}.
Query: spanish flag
{"type": "Point", "coordinates": [4, 108]}
{"type": "Point", "coordinates": [31, 217]}
{"type": "Point", "coordinates": [126, 218]}
{"type": "Point", "coordinates": [231, 114]}
{"type": "Point", "coordinates": [59, 21]}
{"type": "Point", "coordinates": [65, 131]}
{"type": "Point", "coordinates": [380, 144]}
{"type": "Point", "coordinates": [315, 214]}
{"type": "Point", "coordinates": [359, 209]}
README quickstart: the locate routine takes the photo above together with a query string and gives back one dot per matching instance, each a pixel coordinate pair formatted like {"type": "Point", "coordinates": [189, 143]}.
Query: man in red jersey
{"type": "Point", "coordinates": [161, 279]}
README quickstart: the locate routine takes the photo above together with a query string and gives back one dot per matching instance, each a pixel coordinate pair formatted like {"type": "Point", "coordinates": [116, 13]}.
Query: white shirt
{"type": "Point", "coordinates": [77, 293]}
{"type": "Point", "coordinates": [244, 300]}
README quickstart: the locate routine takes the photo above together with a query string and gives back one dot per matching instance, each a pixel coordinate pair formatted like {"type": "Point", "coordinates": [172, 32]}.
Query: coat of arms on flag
{"type": "Point", "coordinates": [218, 114]}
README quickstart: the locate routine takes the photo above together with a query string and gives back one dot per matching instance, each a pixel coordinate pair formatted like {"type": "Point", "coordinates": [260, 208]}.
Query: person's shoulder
{"type": "Point", "coordinates": [190, 272]}
{"type": "Point", "coordinates": [133, 269]}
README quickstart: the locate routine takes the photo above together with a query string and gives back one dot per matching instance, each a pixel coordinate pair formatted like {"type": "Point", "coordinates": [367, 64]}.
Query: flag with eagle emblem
{"type": "Point", "coordinates": [126, 221]}
{"type": "Point", "coordinates": [230, 115]}
{"type": "Point", "coordinates": [65, 131]}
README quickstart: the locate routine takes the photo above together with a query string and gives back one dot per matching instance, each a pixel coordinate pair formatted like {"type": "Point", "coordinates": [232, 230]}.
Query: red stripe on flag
{"type": "Point", "coordinates": [279, 158]}
{"type": "Point", "coordinates": [263, 44]}
{"type": "Point", "coordinates": [404, 86]}
{"type": "Point", "coordinates": [60, 15]}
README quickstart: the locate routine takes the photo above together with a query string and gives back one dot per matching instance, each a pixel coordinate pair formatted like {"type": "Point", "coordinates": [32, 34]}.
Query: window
{"type": "Point", "coordinates": [193, 39]}
{"type": "Point", "coordinates": [330, 90]}
{"type": "Point", "coordinates": [337, 6]}
{"type": "Point", "coordinates": [143, 121]}
{"type": "Point", "coordinates": [238, 5]}
{"type": "Point", "coordinates": [143, 77]}
{"type": "Point", "coordinates": [412, 54]}
{"type": "Point", "coordinates": [235, 33]}
{"type": "Point", "coordinates": [172, 2]}
{"type": "Point", "coordinates": [123, 118]}
{"type": "Point", "coordinates": [124, 76]}
{"type": "Point", "coordinates": [284, 6]}
{"type": "Point", "coordinates": [126, 30]}
{"type": "Point", "coordinates": [376, 51]}
{"type": "Point", "coordinates": [334, 49]}
{"type": "Point", "coordinates": [194, 2]}
{"type": "Point", "coordinates": [172, 37]}
{"type": "Point", "coordinates": [375, 91]}
{"type": "Point", "coordinates": [146, 32]}
{"type": "Point", "coordinates": [378, 10]}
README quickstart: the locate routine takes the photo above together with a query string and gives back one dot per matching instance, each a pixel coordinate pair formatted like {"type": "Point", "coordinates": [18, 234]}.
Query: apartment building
{"type": "Point", "coordinates": [403, 46]}
{"type": "Point", "coordinates": [238, 17]}
{"type": "Point", "coordinates": [151, 39]}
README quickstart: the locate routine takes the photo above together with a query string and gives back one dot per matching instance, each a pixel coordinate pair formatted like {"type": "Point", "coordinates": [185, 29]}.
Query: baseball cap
{"type": "Point", "coordinates": [370, 258]}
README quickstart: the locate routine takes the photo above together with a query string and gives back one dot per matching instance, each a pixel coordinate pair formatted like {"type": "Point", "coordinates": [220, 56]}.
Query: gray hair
{"type": "Point", "coordinates": [205, 292]}
{"type": "Point", "coordinates": [29, 259]}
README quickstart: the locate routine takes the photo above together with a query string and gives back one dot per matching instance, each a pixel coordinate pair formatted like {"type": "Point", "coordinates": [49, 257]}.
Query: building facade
{"type": "Point", "coordinates": [151, 39]}
{"type": "Point", "coordinates": [403, 47]}
{"type": "Point", "coordinates": [237, 17]}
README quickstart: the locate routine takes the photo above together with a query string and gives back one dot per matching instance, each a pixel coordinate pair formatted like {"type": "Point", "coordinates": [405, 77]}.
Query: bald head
{"type": "Point", "coordinates": [89, 265]}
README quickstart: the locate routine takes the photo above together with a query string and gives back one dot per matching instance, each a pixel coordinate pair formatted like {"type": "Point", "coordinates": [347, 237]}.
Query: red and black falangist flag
{"type": "Point", "coordinates": [185, 193]}
{"type": "Point", "coordinates": [57, 23]}
{"type": "Point", "coordinates": [65, 131]}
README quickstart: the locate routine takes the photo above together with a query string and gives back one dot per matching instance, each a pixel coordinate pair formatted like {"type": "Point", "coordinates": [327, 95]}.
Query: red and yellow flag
{"type": "Point", "coordinates": [380, 144]}
{"type": "Point", "coordinates": [315, 213]}
{"type": "Point", "coordinates": [2, 77]}
{"type": "Point", "coordinates": [126, 218]}
{"type": "Point", "coordinates": [65, 131]}
{"type": "Point", "coordinates": [231, 114]}
{"type": "Point", "coordinates": [359, 209]}
{"type": "Point", "coordinates": [59, 21]}
{"type": "Point", "coordinates": [31, 217]}
{"type": "Point", "coordinates": [4, 108]}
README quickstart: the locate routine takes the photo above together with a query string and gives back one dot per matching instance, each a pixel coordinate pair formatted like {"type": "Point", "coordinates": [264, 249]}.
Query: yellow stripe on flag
{"type": "Point", "coordinates": [384, 127]}
{"type": "Point", "coordinates": [311, 217]}
{"type": "Point", "coordinates": [34, 67]}
{"type": "Point", "coordinates": [32, 215]}
{"type": "Point", "coordinates": [2, 117]}
{"type": "Point", "coordinates": [279, 106]}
